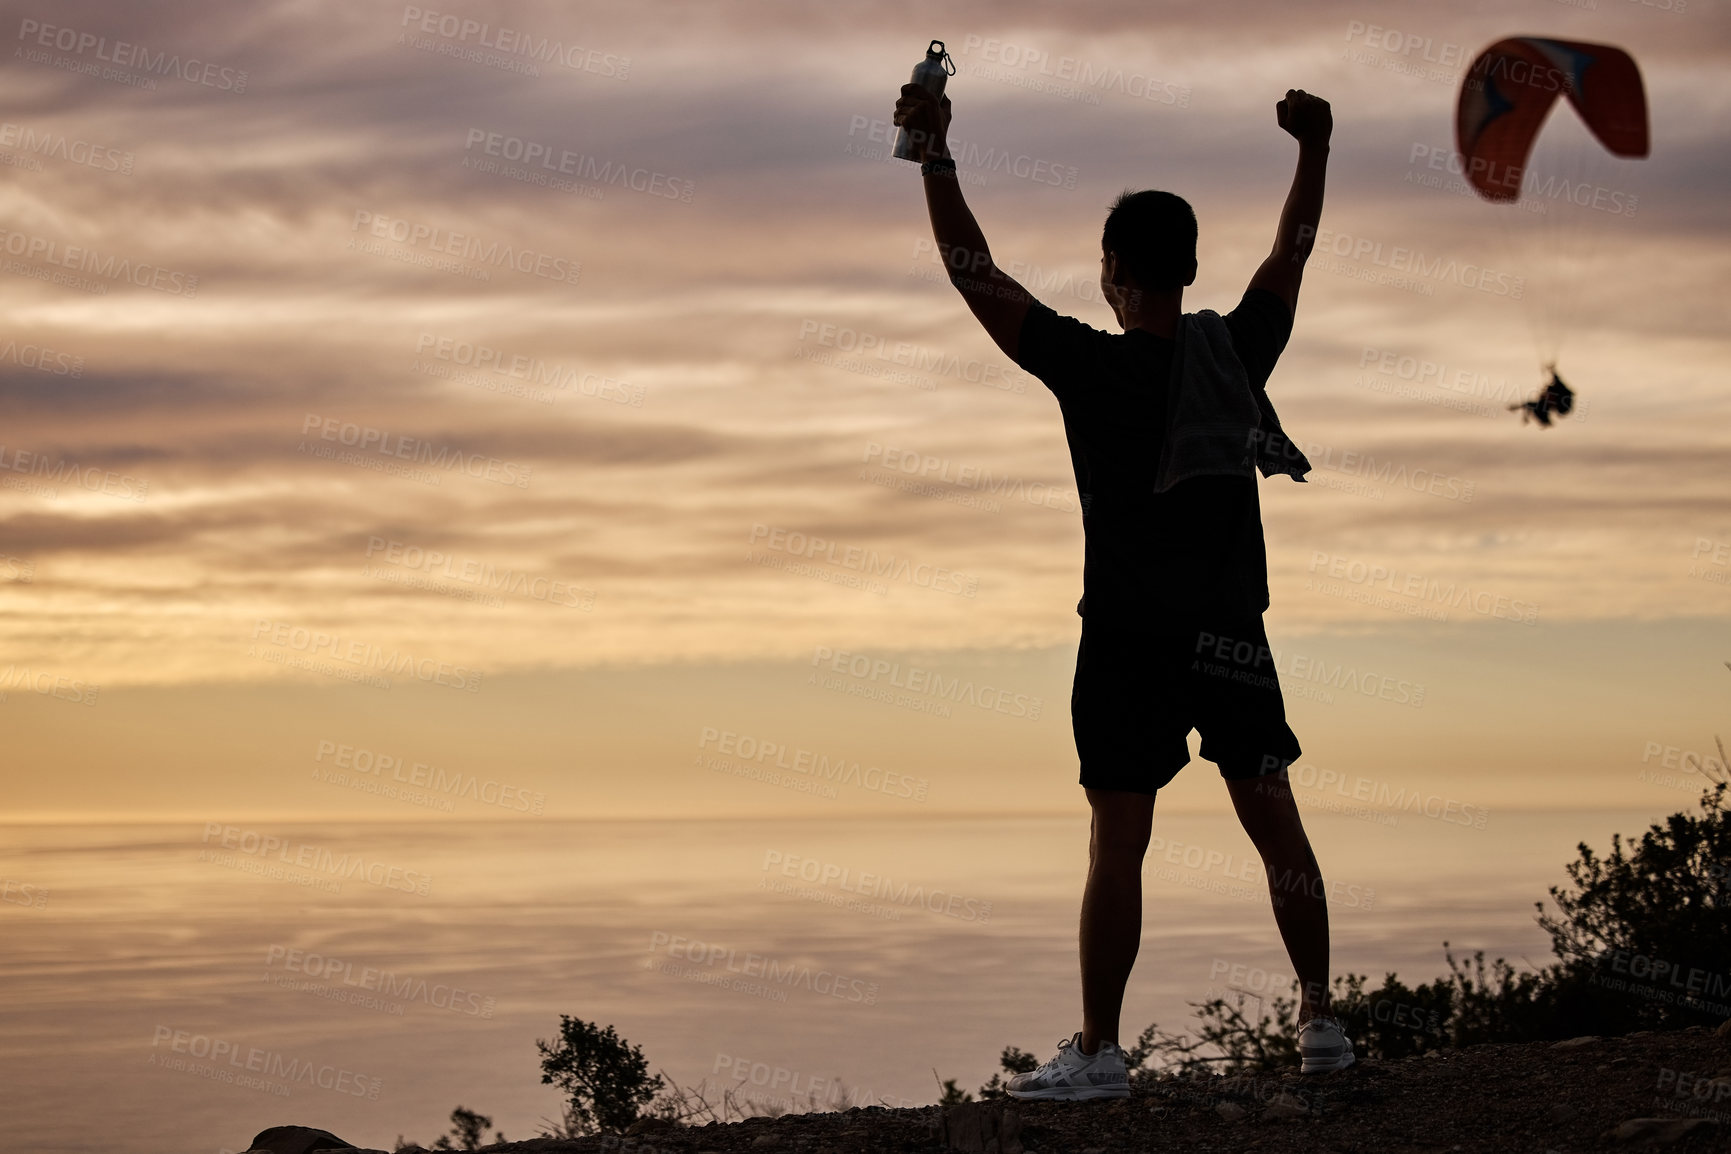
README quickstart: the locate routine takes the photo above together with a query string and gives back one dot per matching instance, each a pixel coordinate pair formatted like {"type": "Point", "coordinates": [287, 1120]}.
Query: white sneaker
{"type": "Point", "coordinates": [1323, 1047]}
{"type": "Point", "coordinates": [1074, 1075]}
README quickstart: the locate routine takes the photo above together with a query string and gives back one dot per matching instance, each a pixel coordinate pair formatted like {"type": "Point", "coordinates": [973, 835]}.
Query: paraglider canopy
{"type": "Point", "coordinates": [1510, 88]}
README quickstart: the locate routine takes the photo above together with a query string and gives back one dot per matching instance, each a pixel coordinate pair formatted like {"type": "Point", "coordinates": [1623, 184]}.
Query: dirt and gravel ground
{"type": "Point", "coordinates": [1668, 1091]}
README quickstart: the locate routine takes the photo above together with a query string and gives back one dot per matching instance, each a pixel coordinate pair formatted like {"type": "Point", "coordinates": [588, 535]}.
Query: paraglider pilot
{"type": "Point", "coordinates": [1555, 397]}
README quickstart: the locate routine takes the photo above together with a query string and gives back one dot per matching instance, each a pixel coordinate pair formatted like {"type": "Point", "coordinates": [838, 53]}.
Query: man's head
{"type": "Point", "coordinates": [1149, 243]}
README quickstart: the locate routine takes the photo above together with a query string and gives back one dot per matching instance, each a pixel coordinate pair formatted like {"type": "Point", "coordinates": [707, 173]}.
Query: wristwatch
{"type": "Point", "coordinates": [942, 164]}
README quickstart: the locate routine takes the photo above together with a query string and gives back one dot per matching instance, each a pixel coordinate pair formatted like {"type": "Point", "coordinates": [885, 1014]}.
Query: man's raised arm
{"type": "Point", "coordinates": [998, 302]}
{"type": "Point", "coordinates": [1310, 122]}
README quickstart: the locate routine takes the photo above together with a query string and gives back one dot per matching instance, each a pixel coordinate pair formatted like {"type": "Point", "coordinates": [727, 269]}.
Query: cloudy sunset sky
{"type": "Point", "coordinates": [381, 330]}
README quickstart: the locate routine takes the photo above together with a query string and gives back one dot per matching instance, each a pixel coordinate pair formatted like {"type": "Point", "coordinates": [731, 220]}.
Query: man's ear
{"type": "Point", "coordinates": [1116, 273]}
{"type": "Point", "coordinates": [1191, 278]}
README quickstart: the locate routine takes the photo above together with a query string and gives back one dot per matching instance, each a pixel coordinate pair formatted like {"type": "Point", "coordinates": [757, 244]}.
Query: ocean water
{"type": "Point", "coordinates": [180, 986]}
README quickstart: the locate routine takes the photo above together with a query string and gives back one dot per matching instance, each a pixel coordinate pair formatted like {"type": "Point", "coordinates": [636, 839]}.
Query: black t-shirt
{"type": "Point", "coordinates": [1194, 552]}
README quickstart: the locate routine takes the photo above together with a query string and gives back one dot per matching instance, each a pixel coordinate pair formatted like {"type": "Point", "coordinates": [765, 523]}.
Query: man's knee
{"type": "Point", "coordinates": [1268, 812]}
{"type": "Point", "coordinates": [1122, 852]}
{"type": "Point", "coordinates": [1121, 827]}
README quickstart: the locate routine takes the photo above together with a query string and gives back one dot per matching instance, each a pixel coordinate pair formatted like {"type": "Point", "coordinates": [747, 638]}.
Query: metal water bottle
{"type": "Point", "coordinates": [928, 74]}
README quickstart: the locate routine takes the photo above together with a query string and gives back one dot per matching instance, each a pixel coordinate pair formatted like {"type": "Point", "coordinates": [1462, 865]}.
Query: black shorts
{"type": "Point", "coordinates": [1139, 692]}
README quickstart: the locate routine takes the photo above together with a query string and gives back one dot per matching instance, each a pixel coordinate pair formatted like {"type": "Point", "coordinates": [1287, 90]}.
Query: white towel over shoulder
{"type": "Point", "coordinates": [1217, 423]}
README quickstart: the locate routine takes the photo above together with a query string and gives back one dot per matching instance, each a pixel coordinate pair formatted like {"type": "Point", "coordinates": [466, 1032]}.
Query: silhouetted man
{"type": "Point", "coordinates": [1167, 423]}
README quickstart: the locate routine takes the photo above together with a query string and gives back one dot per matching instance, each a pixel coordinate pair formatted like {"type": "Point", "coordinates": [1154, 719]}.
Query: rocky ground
{"type": "Point", "coordinates": [1667, 1091]}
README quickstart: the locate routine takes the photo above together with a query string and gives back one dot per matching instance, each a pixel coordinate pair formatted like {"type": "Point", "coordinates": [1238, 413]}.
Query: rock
{"type": "Point", "coordinates": [1660, 1131]}
{"type": "Point", "coordinates": [296, 1140]}
{"type": "Point", "coordinates": [1724, 1030]}
{"type": "Point", "coordinates": [1657, 1131]}
{"type": "Point", "coordinates": [762, 1140]}
{"type": "Point", "coordinates": [1284, 1107]}
{"type": "Point", "coordinates": [990, 1127]}
{"type": "Point", "coordinates": [1562, 1112]}
{"type": "Point", "coordinates": [649, 1125]}
{"type": "Point", "coordinates": [1230, 1111]}
{"type": "Point", "coordinates": [1575, 1043]}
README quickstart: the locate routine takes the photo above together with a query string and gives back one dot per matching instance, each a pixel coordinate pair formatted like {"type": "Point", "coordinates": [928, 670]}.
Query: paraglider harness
{"type": "Point", "coordinates": [1555, 397]}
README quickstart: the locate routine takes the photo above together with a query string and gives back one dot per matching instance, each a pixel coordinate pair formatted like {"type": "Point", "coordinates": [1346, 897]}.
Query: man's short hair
{"type": "Point", "coordinates": [1154, 235]}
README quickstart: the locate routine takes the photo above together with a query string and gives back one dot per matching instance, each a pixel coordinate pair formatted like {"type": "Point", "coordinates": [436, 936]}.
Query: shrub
{"type": "Point", "coordinates": [606, 1080]}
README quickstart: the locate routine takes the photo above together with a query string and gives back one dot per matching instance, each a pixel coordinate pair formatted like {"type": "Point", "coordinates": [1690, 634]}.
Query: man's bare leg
{"type": "Point", "coordinates": [1269, 815]}
{"type": "Point", "coordinates": [1112, 908]}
